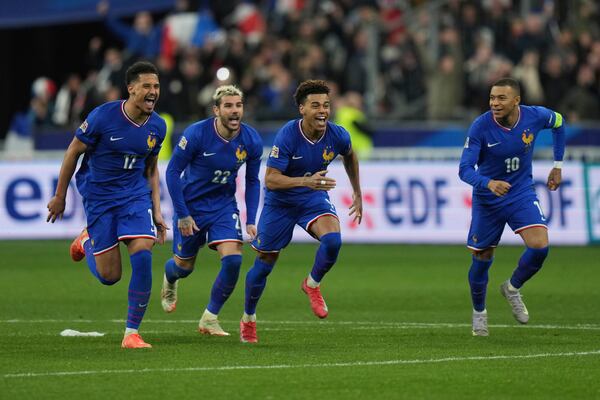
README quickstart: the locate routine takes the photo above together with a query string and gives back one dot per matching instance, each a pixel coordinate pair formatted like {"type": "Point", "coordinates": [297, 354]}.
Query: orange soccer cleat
{"type": "Point", "coordinates": [316, 300]}
{"type": "Point", "coordinates": [134, 341]}
{"type": "Point", "coordinates": [248, 332]}
{"type": "Point", "coordinates": [76, 249]}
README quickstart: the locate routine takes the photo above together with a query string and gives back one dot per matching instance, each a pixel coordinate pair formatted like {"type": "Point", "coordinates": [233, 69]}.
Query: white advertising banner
{"type": "Point", "coordinates": [404, 202]}
{"type": "Point", "coordinates": [593, 201]}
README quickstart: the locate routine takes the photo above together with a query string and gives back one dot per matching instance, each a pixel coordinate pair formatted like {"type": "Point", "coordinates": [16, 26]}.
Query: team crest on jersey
{"type": "Point", "coordinates": [84, 126]}
{"type": "Point", "coordinates": [241, 154]}
{"type": "Point", "coordinates": [274, 152]}
{"type": "Point", "coordinates": [327, 155]}
{"type": "Point", "coordinates": [527, 138]}
{"type": "Point", "coordinates": [151, 141]}
{"type": "Point", "coordinates": [182, 143]}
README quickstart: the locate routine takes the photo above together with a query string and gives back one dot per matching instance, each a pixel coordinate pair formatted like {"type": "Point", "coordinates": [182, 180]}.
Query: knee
{"type": "Point", "coordinates": [539, 254]}
{"type": "Point", "coordinates": [484, 255]}
{"type": "Point", "coordinates": [109, 278]}
{"type": "Point", "coordinates": [268, 258]}
{"type": "Point", "coordinates": [332, 242]}
{"type": "Point", "coordinates": [187, 264]}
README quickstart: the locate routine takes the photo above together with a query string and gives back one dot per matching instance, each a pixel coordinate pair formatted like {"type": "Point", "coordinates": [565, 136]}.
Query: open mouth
{"type": "Point", "coordinates": [149, 102]}
{"type": "Point", "coordinates": [321, 120]}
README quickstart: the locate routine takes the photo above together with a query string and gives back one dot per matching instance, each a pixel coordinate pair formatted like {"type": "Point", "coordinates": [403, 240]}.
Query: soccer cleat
{"type": "Point", "coordinates": [519, 310]}
{"type": "Point", "coordinates": [168, 295]}
{"type": "Point", "coordinates": [316, 300]}
{"type": "Point", "coordinates": [248, 332]}
{"type": "Point", "coordinates": [480, 323]}
{"type": "Point", "coordinates": [134, 341]}
{"type": "Point", "coordinates": [210, 326]}
{"type": "Point", "coordinates": [76, 249]}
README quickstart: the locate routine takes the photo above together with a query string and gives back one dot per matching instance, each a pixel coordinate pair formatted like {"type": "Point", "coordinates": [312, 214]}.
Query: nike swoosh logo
{"type": "Point", "coordinates": [205, 154]}
{"type": "Point", "coordinates": [142, 305]}
{"type": "Point", "coordinates": [114, 139]}
{"type": "Point", "coordinates": [493, 144]}
{"type": "Point", "coordinates": [296, 157]}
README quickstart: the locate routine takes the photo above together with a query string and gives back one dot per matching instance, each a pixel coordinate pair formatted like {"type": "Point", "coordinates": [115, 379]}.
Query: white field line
{"type": "Point", "coordinates": [356, 324]}
{"type": "Point", "coordinates": [300, 366]}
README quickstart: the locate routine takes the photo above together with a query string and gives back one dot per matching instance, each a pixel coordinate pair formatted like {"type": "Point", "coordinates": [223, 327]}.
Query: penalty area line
{"type": "Point", "coordinates": [300, 366]}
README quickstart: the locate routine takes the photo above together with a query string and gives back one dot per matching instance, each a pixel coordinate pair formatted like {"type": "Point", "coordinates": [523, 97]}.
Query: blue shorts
{"type": "Point", "coordinates": [221, 226]}
{"type": "Point", "coordinates": [276, 224]}
{"type": "Point", "coordinates": [107, 225]}
{"type": "Point", "coordinates": [487, 223]}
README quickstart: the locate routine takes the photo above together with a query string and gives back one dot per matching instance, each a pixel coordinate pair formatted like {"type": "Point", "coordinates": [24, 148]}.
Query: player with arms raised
{"type": "Point", "coordinates": [118, 180]}
{"type": "Point", "coordinates": [500, 143]}
{"type": "Point", "coordinates": [296, 193]}
{"type": "Point", "coordinates": [209, 154]}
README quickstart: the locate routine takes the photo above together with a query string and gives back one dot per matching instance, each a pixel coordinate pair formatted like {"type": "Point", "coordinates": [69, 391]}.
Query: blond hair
{"type": "Point", "coordinates": [226, 90]}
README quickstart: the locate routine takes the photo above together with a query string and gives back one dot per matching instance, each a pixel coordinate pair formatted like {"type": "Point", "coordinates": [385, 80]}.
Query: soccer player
{"type": "Point", "coordinates": [296, 193]}
{"type": "Point", "coordinates": [500, 142]}
{"type": "Point", "coordinates": [209, 154]}
{"type": "Point", "coordinates": [118, 180]}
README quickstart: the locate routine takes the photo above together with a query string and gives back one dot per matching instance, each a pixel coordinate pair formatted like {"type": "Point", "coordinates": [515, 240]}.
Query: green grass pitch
{"type": "Point", "coordinates": [399, 327]}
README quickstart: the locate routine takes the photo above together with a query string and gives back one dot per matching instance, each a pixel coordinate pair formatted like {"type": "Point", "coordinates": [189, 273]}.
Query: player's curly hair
{"type": "Point", "coordinates": [312, 86]}
{"type": "Point", "coordinates": [226, 90]}
{"type": "Point", "coordinates": [141, 67]}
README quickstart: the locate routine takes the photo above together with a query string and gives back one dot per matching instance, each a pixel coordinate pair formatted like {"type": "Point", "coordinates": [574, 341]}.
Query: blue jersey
{"type": "Point", "coordinates": [295, 155]}
{"type": "Point", "coordinates": [506, 154]}
{"type": "Point", "coordinates": [117, 148]}
{"type": "Point", "coordinates": [210, 165]}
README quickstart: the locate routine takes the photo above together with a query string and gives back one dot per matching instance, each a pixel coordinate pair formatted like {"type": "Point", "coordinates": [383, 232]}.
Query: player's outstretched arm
{"type": "Point", "coordinates": [276, 180]}
{"type": "Point", "coordinates": [351, 166]}
{"type": "Point", "coordinates": [151, 173]}
{"type": "Point", "coordinates": [56, 205]}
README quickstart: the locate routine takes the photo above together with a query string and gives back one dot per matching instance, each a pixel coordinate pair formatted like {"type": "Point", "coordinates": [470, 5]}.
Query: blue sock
{"type": "Point", "coordinates": [139, 287]}
{"type": "Point", "coordinates": [326, 255]}
{"type": "Point", "coordinates": [174, 272]}
{"type": "Point", "coordinates": [256, 280]}
{"type": "Point", "coordinates": [478, 280]}
{"type": "Point", "coordinates": [529, 264]}
{"type": "Point", "coordinates": [91, 263]}
{"type": "Point", "coordinates": [225, 282]}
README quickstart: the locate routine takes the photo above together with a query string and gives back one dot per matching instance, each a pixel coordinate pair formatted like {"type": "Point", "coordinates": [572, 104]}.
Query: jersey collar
{"type": "Point", "coordinates": [129, 119]}
{"type": "Point", "coordinates": [221, 137]}
{"type": "Point", "coordinates": [305, 137]}
{"type": "Point", "coordinates": [515, 124]}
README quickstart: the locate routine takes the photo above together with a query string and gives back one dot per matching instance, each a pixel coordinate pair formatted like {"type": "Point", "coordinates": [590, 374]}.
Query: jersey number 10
{"type": "Point", "coordinates": [512, 164]}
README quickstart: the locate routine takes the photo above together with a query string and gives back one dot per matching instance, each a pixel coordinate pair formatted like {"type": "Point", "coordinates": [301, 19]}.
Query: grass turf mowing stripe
{"type": "Point", "coordinates": [322, 365]}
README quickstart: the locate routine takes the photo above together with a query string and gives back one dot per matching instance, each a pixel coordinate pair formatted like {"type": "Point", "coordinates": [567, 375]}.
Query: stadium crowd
{"type": "Point", "coordinates": [408, 59]}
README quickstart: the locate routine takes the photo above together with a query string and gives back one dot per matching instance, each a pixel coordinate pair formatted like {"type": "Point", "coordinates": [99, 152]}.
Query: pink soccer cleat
{"type": "Point", "coordinates": [248, 332]}
{"type": "Point", "coordinates": [76, 249]}
{"type": "Point", "coordinates": [316, 300]}
{"type": "Point", "coordinates": [134, 341]}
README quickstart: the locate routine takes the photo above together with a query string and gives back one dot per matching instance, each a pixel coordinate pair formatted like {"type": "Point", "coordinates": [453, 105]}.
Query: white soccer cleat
{"type": "Point", "coordinates": [480, 323]}
{"type": "Point", "coordinates": [168, 295]}
{"type": "Point", "coordinates": [515, 301]}
{"type": "Point", "coordinates": [210, 326]}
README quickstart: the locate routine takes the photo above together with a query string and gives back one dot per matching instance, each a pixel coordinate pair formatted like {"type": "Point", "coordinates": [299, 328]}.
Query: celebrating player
{"type": "Point", "coordinates": [118, 180]}
{"type": "Point", "coordinates": [500, 142]}
{"type": "Point", "coordinates": [296, 193]}
{"type": "Point", "coordinates": [211, 152]}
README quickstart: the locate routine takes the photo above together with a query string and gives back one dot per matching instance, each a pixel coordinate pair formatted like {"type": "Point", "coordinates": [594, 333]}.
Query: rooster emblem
{"type": "Point", "coordinates": [151, 141]}
{"type": "Point", "coordinates": [327, 156]}
{"type": "Point", "coordinates": [527, 138]}
{"type": "Point", "coordinates": [241, 154]}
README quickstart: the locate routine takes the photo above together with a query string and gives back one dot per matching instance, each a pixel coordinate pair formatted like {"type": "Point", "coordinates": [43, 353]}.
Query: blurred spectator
{"type": "Point", "coordinates": [66, 108]}
{"type": "Point", "coordinates": [24, 125]}
{"type": "Point", "coordinates": [581, 101]}
{"type": "Point", "coordinates": [349, 114]}
{"type": "Point", "coordinates": [141, 40]}
{"type": "Point", "coordinates": [528, 73]}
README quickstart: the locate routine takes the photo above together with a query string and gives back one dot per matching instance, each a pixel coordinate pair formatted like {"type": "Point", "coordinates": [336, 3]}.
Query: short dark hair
{"type": "Point", "coordinates": [310, 87]}
{"type": "Point", "coordinates": [138, 68]}
{"type": "Point", "coordinates": [513, 83]}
